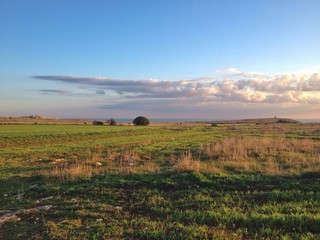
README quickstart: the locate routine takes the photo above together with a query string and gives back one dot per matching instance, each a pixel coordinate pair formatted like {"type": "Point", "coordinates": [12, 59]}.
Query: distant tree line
{"type": "Point", "coordinates": [138, 121]}
{"type": "Point", "coordinates": [110, 122]}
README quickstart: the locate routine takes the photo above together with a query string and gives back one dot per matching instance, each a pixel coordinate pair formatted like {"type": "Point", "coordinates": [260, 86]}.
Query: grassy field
{"type": "Point", "coordinates": [247, 181]}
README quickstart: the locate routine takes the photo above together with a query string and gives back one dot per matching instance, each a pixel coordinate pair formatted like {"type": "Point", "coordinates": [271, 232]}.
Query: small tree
{"type": "Point", "coordinates": [95, 122]}
{"type": "Point", "coordinates": [111, 122]}
{"type": "Point", "coordinates": [141, 121]}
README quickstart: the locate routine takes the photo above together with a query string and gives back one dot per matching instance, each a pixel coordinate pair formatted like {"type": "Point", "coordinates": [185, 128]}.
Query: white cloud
{"type": "Point", "coordinates": [228, 71]}
{"type": "Point", "coordinates": [260, 88]}
{"type": "Point", "coordinates": [203, 93]}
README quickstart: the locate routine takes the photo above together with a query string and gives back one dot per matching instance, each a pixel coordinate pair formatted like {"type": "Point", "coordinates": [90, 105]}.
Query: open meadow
{"type": "Point", "coordinates": [177, 181]}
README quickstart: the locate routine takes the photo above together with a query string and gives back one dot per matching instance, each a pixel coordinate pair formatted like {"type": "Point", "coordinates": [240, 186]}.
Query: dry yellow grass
{"type": "Point", "coordinates": [95, 163]}
{"type": "Point", "coordinates": [233, 154]}
{"type": "Point", "coordinates": [266, 155]}
{"type": "Point", "coordinates": [186, 162]}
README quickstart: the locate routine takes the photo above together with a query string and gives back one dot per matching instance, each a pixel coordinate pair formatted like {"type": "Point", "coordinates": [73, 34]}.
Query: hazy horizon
{"type": "Point", "coordinates": [130, 119]}
{"type": "Point", "coordinates": [162, 59]}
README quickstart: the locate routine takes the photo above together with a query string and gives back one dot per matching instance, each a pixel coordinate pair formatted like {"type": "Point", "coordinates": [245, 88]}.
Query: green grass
{"type": "Point", "coordinates": [31, 141]}
{"type": "Point", "coordinates": [226, 199]}
{"type": "Point", "coordinates": [188, 205]}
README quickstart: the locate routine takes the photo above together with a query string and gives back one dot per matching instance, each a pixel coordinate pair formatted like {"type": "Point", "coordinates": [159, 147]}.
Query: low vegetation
{"type": "Point", "coordinates": [111, 122]}
{"type": "Point", "coordinates": [247, 181]}
{"type": "Point", "coordinates": [141, 121]}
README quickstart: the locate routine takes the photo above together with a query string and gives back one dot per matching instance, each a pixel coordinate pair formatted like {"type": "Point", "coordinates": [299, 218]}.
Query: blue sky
{"type": "Point", "coordinates": [170, 59]}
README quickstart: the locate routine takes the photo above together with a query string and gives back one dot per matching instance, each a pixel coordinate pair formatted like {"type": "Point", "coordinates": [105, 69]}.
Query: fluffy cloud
{"type": "Point", "coordinates": [232, 86]}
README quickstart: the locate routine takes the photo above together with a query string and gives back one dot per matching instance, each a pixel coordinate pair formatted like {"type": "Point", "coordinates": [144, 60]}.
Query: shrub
{"type": "Point", "coordinates": [97, 122]}
{"type": "Point", "coordinates": [141, 121]}
{"type": "Point", "coordinates": [111, 122]}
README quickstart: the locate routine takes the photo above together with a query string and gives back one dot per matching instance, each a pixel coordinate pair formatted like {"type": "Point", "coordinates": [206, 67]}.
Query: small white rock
{"type": "Point", "coordinates": [34, 186]}
{"type": "Point", "coordinates": [46, 198]}
{"type": "Point", "coordinates": [118, 208]}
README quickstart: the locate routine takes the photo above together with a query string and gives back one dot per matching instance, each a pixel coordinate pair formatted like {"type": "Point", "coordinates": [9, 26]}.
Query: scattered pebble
{"type": "Point", "coordinates": [118, 208]}
{"type": "Point", "coordinates": [9, 217]}
{"type": "Point", "coordinates": [46, 198]}
{"type": "Point", "coordinates": [45, 208]}
{"type": "Point", "coordinates": [43, 199]}
{"type": "Point", "coordinates": [113, 209]}
{"type": "Point", "coordinates": [58, 160]}
{"type": "Point", "coordinates": [35, 186]}
{"type": "Point", "coordinates": [19, 196]}
{"type": "Point", "coordinates": [63, 222]}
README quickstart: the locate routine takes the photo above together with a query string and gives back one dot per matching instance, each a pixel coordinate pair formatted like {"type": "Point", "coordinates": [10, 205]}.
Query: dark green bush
{"type": "Point", "coordinates": [141, 121]}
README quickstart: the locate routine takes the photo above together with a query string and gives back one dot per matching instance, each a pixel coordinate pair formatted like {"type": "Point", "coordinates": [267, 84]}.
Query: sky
{"type": "Point", "coordinates": [191, 59]}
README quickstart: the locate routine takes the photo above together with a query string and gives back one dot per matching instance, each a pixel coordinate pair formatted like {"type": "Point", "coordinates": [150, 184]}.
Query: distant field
{"type": "Point", "coordinates": [176, 181]}
{"type": "Point", "coordinates": [60, 121]}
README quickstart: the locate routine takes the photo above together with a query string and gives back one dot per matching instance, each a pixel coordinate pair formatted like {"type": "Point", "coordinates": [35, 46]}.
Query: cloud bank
{"type": "Point", "coordinates": [228, 93]}
{"type": "Point", "coordinates": [246, 87]}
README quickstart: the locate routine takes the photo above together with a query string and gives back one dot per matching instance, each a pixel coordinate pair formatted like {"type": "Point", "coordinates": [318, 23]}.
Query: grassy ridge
{"type": "Point", "coordinates": [187, 182]}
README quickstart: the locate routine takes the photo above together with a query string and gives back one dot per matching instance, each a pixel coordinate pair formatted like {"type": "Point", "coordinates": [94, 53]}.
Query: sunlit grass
{"type": "Point", "coordinates": [167, 182]}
